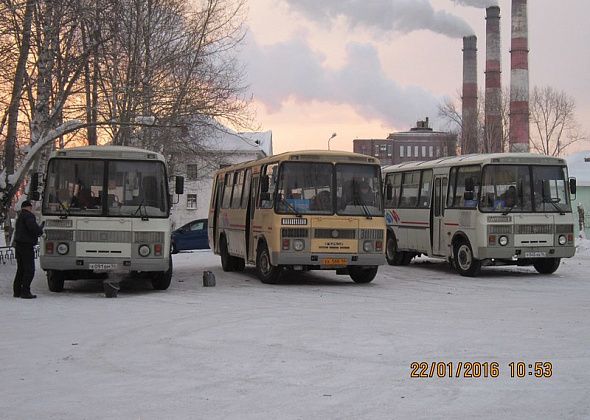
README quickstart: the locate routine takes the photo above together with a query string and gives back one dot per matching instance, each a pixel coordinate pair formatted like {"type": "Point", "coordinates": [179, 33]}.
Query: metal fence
{"type": "Point", "coordinates": [7, 254]}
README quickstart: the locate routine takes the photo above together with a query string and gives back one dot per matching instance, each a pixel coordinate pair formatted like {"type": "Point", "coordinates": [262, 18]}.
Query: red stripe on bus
{"type": "Point", "coordinates": [416, 223]}
{"type": "Point", "coordinates": [237, 226]}
{"type": "Point", "coordinates": [451, 224]}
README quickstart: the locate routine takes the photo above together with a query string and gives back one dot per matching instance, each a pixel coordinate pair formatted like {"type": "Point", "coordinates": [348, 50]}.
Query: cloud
{"type": "Point", "coordinates": [477, 3]}
{"type": "Point", "coordinates": [291, 70]}
{"type": "Point", "coordinates": [386, 15]}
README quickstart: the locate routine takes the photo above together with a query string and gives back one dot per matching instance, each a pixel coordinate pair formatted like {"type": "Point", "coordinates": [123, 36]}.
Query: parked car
{"type": "Point", "coordinates": [193, 235]}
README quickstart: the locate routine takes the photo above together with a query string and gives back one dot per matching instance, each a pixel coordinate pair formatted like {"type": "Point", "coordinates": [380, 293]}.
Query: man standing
{"type": "Point", "coordinates": [27, 232]}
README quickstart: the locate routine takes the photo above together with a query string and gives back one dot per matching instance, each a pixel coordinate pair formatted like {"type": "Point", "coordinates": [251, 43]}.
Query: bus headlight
{"type": "Point", "coordinates": [562, 240]}
{"type": "Point", "coordinates": [144, 250]}
{"type": "Point", "coordinates": [503, 240]}
{"type": "Point", "coordinates": [298, 245]}
{"type": "Point", "coordinates": [63, 248]}
{"type": "Point", "coordinates": [368, 246]}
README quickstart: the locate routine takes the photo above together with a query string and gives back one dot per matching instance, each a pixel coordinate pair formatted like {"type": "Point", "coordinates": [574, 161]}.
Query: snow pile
{"type": "Point", "coordinates": [583, 247]}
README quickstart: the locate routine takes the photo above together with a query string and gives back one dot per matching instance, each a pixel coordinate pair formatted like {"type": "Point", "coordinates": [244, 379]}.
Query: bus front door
{"type": "Point", "coordinates": [251, 236]}
{"type": "Point", "coordinates": [438, 211]}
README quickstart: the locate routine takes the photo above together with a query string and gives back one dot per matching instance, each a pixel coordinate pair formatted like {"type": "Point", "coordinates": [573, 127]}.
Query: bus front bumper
{"type": "Point", "coordinates": [524, 253]}
{"type": "Point", "coordinates": [103, 264]}
{"type": "Point", "coordinates": [326, 261]}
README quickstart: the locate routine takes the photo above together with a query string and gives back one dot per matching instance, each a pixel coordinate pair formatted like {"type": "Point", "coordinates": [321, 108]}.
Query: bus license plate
{"type": "Point", "coordinates": [97, 266]}
{"type": "Point", "coordinates": [537, 254]}
{"type": "Point", "coordinates": [334, 261]}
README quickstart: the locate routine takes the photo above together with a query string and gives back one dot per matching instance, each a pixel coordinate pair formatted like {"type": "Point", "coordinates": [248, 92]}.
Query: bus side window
{"type": "Point", "coordinates": [268, 182]}
{"type": "Point", "coordinates": [425, 191]}
{"type": "Point", "coordinates": [393, 183]}
{"type": "Point", "coordinates": [227, 190]}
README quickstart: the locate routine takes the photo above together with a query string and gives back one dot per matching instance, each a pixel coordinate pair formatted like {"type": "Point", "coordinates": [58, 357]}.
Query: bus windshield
{"type": "Point", "coordinates": [308, 188]}
{"type": "Point", "coordinates": [524, 188]}
{"type": "Point", "coordinates": [130, 189]}
{"type": "Point", "coordinates": [359, 190]}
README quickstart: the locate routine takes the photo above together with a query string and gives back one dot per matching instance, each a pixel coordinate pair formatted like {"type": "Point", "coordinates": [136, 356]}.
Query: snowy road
{"type": "Point", "coordinates": [316, 346]}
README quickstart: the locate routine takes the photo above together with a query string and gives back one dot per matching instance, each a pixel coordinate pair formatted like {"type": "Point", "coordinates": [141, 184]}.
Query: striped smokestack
{"type": "Point", "coordinates": [469, 109]}
{"type": "Point", "coordinates": [519, 79]}
{"type": "Point", "coordinates": [493, 115]}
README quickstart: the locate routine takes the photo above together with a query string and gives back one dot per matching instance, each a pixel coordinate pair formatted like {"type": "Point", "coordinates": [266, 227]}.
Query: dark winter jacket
{"type": "Point", "coordinates": [27, 230]}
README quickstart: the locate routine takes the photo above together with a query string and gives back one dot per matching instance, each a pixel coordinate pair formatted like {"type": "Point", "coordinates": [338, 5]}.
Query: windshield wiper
{"type": "Point", "coordinates": [291, 206]}
{"type": "Point", "coordinates": [554, 202]}
{"type": "Point", "coordinates": [63, 216]}
{"type": "Point", "coordinates": [142, 206]}
{"type": "Point", "coordinates": [363, 205]}
{"type": "Point", "coordinates": [507, 210]}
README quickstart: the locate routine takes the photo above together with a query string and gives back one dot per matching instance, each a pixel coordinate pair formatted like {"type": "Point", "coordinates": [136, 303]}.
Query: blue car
{"type": "Point", "coordinates": [193, 235]}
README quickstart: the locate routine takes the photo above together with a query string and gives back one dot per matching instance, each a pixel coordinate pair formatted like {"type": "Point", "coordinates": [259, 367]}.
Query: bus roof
{"type": "Point", "coordinates": [307, 156]}
{"type": "Point", "coordinates": [479, 159]}
{"type": "Point", "coordinates": [107, 152]}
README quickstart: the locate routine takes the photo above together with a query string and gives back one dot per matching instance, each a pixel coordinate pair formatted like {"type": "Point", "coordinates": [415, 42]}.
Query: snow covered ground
{"type": "Point", "coordinates": [316, 346]}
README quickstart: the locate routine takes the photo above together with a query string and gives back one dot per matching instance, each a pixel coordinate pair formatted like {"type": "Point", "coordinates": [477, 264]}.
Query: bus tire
{"type": "Point", "coordinates": [393, 256]}
{"type": "Point", "coordinates": [362, 274]}
{"type": "Point", "coordinates": [547, 265]}
{"type": "Point", "coordinates": [239, 264]}
{"type": "Point", "coordinates": [227, 261]}
{"type": "Point", "coordinates": [464, 261]}
{"type": "Point", "coordinates": [161, 280]}
{"type": "Point", "coordinates": [267, 273]}
{"type": "Point", "coordinates": [55, 280]}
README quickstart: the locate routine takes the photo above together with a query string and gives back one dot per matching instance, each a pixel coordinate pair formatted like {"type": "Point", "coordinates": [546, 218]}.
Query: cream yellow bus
{"type": "Point", "coordinates": [308, 210]}
{"type": "Point", "coordinates": [477, 210]}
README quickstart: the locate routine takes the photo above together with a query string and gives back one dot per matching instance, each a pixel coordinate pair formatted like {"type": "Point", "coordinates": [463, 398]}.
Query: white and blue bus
{"type": "Point", "coordinates": [477, 210]}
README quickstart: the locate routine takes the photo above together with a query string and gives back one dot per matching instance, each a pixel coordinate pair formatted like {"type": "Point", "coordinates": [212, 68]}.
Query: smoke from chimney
{"type": "Point", "coordinates": [469, 143]}
{"type": "Point", "coordinates": [493, 96]}
{"type": "Point", "coordinates": [519, 79]}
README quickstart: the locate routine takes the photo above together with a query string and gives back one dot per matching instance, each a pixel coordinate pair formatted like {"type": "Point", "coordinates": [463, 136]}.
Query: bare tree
{"type": "Point", "coordinates": [553, 124]}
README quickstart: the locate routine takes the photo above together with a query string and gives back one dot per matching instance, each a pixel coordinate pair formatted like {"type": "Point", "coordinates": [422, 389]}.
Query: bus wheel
{"type": "Point", "coordinates": [227, 262]}
{"type": "Point", "coordinates": [362, 274]}
{"type": "Point", "coordinates": [267, 273]}
{"type": "Point", "coordinates": [547, 265]}
{"type": "Point", "coordinates": [393, 256]}
{"type": "Point", "coordinates": [464, 261]}
{"type": "Point", "coordinates": [161, 280]}
{"type": "Point", "coordinates": [55, 280]}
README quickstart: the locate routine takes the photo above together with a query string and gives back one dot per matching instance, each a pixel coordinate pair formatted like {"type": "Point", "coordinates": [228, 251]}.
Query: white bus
{"type": "Point", "coordinates": [106, 209]}
{"type": "Point", "coordinates": [474, 210]}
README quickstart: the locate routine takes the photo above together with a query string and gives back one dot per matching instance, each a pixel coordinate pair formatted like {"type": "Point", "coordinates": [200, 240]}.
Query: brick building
{"type": "Point", "coordinates": [420, 143]}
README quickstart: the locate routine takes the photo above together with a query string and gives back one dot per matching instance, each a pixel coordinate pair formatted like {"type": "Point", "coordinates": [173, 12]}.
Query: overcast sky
{"type": "Point", "coordinates": [366, 68]}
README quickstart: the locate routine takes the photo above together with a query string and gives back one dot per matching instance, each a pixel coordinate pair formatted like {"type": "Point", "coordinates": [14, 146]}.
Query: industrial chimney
{"type": "Point", "coordinates": [469, 142]}
{"type": "Point", "coordinates": [493, 108]}
{"type": "Point", "coordinates": [519, 79]}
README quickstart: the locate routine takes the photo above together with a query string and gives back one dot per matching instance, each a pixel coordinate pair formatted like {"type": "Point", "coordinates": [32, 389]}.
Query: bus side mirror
{"type": "Point", "coordinates": [179, 187]}
{"type": "Point", "coordinates": [264, 184]}
{"type": "Point", "coordinates": [389, 192]}
{"type": "Point", "coordinates": [34, 187]}
{"type": "Point", "coordinates": [573, 186]}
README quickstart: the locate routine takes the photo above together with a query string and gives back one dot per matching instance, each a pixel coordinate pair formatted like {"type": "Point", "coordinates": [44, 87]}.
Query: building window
{"type": "Point", "coordinates": [430, 151]}
{"type": "Point", "coordinates": [390, 150]}
{"type": "Point", "coordinates": [409, 151]}
{"type": "Point", "coordinates": [401, 151]}
{"type": "Point", "coordinates": [416, 151]}
{"type": "Point", "coordinates": [191, 171]}
{"type": "Point", "coordinates": [191, 201]}
{"type": "Point", "coordinates": [423, 151]}
{"type": "Point", "coordinates": [437, 151]}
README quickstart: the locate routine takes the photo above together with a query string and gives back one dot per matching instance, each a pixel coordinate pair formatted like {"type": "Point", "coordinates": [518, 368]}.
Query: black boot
{"type": "Point", "coordinates": [28, 295]}
{"type": "Point", "coordinates": [16, 294]}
